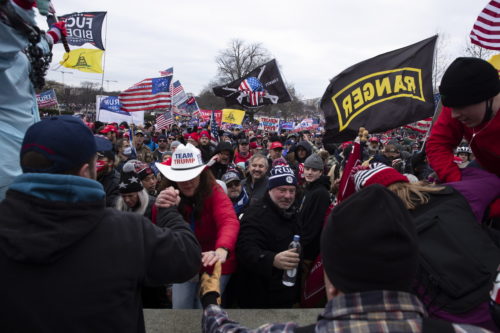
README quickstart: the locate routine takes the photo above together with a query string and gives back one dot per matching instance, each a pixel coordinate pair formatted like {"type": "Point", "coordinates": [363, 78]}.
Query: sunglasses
{"type": "Point", "coordinates": [162, 140]}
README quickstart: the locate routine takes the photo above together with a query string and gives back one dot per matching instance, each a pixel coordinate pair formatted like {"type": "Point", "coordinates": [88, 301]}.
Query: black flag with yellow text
{"type": "Point", "coordinates": [381, 93]}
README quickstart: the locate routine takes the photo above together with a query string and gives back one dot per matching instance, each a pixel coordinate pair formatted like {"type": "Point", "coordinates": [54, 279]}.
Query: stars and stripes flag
{"type": "Point", "coordinates": [214, 129]}
{"type": "Point", "coordinates": [149, 94]}
{"type": "Point", "coordinates": [164, 120]}
{"type": "Point", "coordinates": [178, 94]}
{"type": "Point", "coordinates": [486, 30]}
{"type": "Point", "coordinates": [253, 88]}
{"type": "Point", "coordinates": [167, 72]}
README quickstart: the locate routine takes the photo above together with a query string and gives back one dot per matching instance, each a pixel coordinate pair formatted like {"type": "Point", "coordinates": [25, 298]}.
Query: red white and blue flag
{"type": "Point", "coordinates": [149, 94]}
{"type": "Point", "coordinates": [167, 72]}
{"type": "Point", "coordinates": [253, 88]}
{"type": "Point", "coordinates": [214, 129]}
{"type": "Point", "coordinates": [178, 94]}
{"type": "Point", "coordinates": [46, 98]}
{"type": "Point", "coordinates": [486, 30]}
{"type": "Point", "coordinates": [164, 120]}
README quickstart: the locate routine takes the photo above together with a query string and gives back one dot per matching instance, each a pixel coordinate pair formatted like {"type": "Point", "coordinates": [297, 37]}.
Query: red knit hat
{"type": "Point", "coordinates": [377, 173]}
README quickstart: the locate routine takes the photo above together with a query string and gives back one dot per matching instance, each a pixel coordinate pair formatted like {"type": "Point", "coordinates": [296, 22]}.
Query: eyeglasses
{"type": "Point", "coordinates": [233, 184]}
{"type": "Point", "coordinates": [162, 140]}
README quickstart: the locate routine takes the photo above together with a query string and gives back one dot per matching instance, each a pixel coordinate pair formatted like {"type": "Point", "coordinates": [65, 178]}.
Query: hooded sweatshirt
{"type": "Point", "coordinates": [69, 263]}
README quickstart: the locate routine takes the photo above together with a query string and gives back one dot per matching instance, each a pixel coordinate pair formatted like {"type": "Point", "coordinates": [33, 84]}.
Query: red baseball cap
{"type": "Point", "coordinates": [108, 128]}
{"type": "Point", "coordinates": [276, 145]}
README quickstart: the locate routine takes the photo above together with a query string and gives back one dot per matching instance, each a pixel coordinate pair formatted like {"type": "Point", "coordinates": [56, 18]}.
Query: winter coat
{"type": "Point", "coordinates": [265, 231]}
{"type": "Point", "coordinates": [18, 105]}
{"type": "Point", "coordinates": [315, 202]}
{"type": "Point", "coordinates": [307, 146]}
{"type": "Point", "coordinates": [218, 226]}
{"type": "Point", "coordinates": [255, 191]}
{"type": "Point", "coordinates": [446, 135]}
{"type": "Point", "coordinates": [71, 264]}
{"type": "Point", "coordinates": [110, 183]}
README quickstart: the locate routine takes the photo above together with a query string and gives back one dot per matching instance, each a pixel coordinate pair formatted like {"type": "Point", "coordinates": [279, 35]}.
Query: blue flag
{"type": "Point", "coordinates": [160, 84]}
{"type": "Point", "coordinates": [112, 103]}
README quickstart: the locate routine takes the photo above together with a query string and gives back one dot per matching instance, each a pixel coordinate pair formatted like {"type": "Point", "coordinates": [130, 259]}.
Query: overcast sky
{"type": "Point", "coordinates": [312, 40]}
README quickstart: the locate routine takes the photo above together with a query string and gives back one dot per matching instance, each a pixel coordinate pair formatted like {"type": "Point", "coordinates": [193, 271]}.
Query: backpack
{"type": "Point", "coordinates": [458, 259]}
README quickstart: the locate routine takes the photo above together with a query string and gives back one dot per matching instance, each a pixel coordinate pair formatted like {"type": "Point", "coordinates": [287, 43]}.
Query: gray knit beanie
{"type": "Point", "coordinates": [314, 162]}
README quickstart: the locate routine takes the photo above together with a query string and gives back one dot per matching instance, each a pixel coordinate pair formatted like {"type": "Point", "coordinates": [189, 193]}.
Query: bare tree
{"type": "Point", "coordinates": [239, 59]}
{"type": "Point", "coordinates": [476, 51]}
{"type": "Point", "coordinates": [441, 60]}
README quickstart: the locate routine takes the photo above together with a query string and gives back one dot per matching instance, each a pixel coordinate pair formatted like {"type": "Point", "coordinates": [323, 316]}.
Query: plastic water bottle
{"type": "Point", "coordinates": [290, 275]}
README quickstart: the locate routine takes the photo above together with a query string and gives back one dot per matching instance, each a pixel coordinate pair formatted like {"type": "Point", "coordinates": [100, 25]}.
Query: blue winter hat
{"type": "Point", "coordinates": [63, 140]}
{"type": "Point", "coordinates": [281, 175]}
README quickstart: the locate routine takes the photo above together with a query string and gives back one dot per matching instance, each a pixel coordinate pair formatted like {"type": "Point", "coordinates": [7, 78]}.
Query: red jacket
{"type": "Point", "coordinates": [218, 227]}
{"type": "Point", "coordinates": [446, 135]}
{"type": "Point", "coordinates": [238, 158]}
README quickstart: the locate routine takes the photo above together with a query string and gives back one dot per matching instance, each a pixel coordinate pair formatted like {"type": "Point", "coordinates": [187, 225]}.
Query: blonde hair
{"type": "Point", "coordinates": [414, 194]}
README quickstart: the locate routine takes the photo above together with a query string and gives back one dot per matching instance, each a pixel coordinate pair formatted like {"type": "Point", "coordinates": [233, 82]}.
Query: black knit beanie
{"type": "Point", "coordinates": [370, 243]}
{"type": "Point", "coordinates": [468, 81]}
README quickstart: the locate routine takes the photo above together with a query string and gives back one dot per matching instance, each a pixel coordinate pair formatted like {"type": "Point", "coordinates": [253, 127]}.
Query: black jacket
{"type": "Point", "coordinates": [265, 231]}
{"type": "Point", "coordinates": [110, 183]}
{"type": "Point", "coordinates": [312, 211]}
{"type": "Point", "coordinates": [255, 191]}
{"type": "Point", "coordinates": [79, 267]}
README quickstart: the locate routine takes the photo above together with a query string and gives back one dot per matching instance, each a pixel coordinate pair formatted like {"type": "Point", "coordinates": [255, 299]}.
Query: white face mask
{"type": "Point", "coordinates": [127, 151]}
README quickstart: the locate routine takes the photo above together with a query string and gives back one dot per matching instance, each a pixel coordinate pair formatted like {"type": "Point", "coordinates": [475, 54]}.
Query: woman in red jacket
{"type": "Point", "coordinates": [209, 211]}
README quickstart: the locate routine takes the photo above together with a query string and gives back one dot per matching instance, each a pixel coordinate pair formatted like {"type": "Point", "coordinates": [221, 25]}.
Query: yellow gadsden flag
{"type": "Point", "coordinates": [233, 116]}
{"type": "Point", "coordinates": [85, 60]}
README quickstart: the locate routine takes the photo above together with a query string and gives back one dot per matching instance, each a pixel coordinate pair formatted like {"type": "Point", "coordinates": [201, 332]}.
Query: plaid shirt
{"type": "Point", "coordinates": [367, 312]}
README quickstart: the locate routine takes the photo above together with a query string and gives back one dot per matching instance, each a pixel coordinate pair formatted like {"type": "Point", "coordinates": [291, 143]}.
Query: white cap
{"type": "Point", "coordinates": [186, 164]}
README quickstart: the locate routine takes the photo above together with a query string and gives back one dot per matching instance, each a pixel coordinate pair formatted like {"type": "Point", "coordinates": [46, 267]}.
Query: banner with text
{"type": "Point", "coordinates": [108, 111]}
{"type": "Point", "coordinates": [84, 28]}
{"type": "Point", "coordinates": [46, 99]}
{"type": "Point", "coordinates": [269, 124]}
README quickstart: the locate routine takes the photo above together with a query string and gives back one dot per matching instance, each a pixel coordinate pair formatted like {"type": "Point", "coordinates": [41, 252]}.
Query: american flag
{"type": "Point", "coordinates": [148, 94]}
{"type": "Point", "coordinates": [252, 87]}
{"type": "Point", "coordinates": [214, 129]}
{"type": "Point", "coordinates": [164, 120]}
{"type": "Point", "coordinates": [178, 94]}
{"type": "Point", "coordinates": [486, 30]}
{"type": "Point", "coordinates": [167, 72]}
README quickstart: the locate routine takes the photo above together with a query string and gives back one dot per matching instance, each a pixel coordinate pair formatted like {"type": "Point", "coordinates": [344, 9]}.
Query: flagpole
{"type": "Point", "coordinates": [104, 60]}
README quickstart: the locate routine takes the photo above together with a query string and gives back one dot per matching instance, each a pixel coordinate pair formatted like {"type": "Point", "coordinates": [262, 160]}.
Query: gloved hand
{"type": "Point", "coordinates": [57, 30]}
{"type": "Point", "coordinates": [210, 286]}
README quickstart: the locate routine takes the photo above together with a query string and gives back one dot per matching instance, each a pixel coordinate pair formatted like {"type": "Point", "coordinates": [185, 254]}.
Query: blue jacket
{"type": "Point", "coordinates": [18, 107]}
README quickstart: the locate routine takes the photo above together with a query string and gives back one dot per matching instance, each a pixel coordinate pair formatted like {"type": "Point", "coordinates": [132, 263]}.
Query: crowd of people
{"type": "Point", "coordinates": [399, 231]}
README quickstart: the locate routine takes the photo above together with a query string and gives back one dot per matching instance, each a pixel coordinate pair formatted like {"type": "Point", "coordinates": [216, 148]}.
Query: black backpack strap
{"type": "Point", "coordinates": [305, 329]}
{"type": "Point", "coordinates": [430, 325]}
